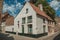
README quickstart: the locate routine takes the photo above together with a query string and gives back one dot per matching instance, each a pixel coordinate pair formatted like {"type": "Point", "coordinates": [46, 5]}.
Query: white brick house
{"type": "Point", "coordinates": [33, 20]}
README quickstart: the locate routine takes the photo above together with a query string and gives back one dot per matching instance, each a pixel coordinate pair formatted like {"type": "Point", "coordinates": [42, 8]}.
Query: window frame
{"type": "Point", "coordinates": [26, 10]}
{"type": "Point", "coordinates": [29, 19]}
{"type": "Point", "coordinates": [23, 20]}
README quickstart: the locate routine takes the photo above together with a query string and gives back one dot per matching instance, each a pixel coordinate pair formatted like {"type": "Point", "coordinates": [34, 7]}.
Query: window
{"type": "Point", "coordinates": [18, 24]}
{"type": "Point", "coordinates": [43, 20]}
{"type": "Point", "coordinates": [52, 22]}
{"type": "Point", "coordinates": [49, 29]}
{"type": "Point", "coordinates": [27, 10]}
{"type": "Point", "coordinates": [23, 20]}
{"type": "Point", "coordinates": [44, 28]}
{"type": "Point", "coordinates": [49, 22]}
{"type": "Point", "coordinates": [30, 28]}
{"type": "Point", "coordinates": [29, 20]}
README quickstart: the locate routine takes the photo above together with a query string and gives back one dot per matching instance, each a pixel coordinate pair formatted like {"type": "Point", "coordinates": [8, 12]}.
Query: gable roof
{"type": "Point", "coordinates": [38, 11]}
{"type": "Point", "coordinates": [5, 15]}
{"type": "Point", "coordinates": [8, 19]}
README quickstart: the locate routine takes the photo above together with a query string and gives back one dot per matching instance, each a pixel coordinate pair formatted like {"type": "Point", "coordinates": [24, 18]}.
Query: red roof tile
{"type": "Point", "coordinates": [10, 21]}
{"type": "Point", "coordinates": [42, 13]}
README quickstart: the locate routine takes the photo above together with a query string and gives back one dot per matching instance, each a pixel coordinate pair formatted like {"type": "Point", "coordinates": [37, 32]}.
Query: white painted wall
{"type": "Point", "coordinates": [36, 21]}
{"type": "Point", "coordinates": [40, 25]}
{"type": "Point", "coordinates": [22, 14]}
{"type": "Point", "coordinates": [9, 28]}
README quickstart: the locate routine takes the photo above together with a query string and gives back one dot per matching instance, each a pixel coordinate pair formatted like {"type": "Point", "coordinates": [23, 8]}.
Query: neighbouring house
{"type": "Point", "coordinates": [1, 7]}
{"type": "Point", "coordinates": [7, 21]}
{"type": "Point", "coordinates": [32, 20]}
{"type": "Point", "coordinates": [57, 28]}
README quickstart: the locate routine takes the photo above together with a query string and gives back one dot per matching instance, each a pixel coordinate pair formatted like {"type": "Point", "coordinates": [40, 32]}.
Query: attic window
{"type": "Point", "coordinates": [27, 10]}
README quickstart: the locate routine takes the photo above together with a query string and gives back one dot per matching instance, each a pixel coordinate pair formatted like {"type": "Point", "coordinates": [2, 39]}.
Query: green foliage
{"type": "Point", "coordinates": [48, 9]}
{"type": "Point", "coordinates": [41, 2]}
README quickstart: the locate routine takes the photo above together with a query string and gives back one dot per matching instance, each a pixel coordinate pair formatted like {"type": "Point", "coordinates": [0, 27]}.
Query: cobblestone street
{"type": "Point", "coordinates": [7, 36]}
{"type": "Point", "coordinates": [19, 37]}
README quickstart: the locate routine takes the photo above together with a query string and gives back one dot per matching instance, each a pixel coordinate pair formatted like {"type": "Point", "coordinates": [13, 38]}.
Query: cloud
{"type": "Point", "coordinates": [5, 6]}
{"type": "Point", "coordinates": [19, 6]}
{"type": "Point", "coordinates": [12, 9]}
{"type": "Point", "coordinates": [55, 4]}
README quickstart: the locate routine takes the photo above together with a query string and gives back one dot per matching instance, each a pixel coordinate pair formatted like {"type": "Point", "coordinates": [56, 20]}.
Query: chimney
{"type": "Point", "coordinates": [33, 1]}
{"type": "Point", "coordinates": [40, 7]}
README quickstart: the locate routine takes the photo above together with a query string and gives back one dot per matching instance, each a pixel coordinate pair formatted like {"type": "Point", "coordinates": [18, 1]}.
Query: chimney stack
{"type": "Point", "coordinates": [40, 7]}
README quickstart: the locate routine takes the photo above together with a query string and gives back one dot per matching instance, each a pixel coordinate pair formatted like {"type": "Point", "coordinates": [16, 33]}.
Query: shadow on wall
{"type": "Point", "coordinates": [5, 37]}
{"type": "Point", "coordinates": [57, 37]}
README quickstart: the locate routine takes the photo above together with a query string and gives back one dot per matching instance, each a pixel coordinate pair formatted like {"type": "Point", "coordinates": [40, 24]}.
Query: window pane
{"type": "Point", "coordinates": [27, 10]}
{"type": "Point", "coordinates": [18, 24]}
{"type": "Point", "coordinates": [29, 19]}
{"type": "Point", "coordinates": [23, 20]}
{"type": "Point", "coordinates": [44, 28]}
{"type": "Point", "coordinates": [30, 29]}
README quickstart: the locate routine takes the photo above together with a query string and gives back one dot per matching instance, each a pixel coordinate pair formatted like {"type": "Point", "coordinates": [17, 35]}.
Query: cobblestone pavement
{"type": "Point", "coordinates": [5, 37]}
{"type": "Point", "coordinates": [48, 37]}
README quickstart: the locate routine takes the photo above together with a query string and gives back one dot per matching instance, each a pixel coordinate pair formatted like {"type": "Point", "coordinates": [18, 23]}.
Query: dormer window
{"type": "Point", "coordinates": [27, 10]}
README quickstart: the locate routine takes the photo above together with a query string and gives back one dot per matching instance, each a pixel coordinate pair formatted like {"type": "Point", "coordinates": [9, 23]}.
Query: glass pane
{"type": "Point", "coordinates": [23, 20]}
{"type": "Point", "coordinates": [29, 29]}
{"type": "Point", "coordinates": [44, 28]}
{"type": "Point", "coordinates": [30, 19]}
{"type": "Point", "coordinates": [27, 10]}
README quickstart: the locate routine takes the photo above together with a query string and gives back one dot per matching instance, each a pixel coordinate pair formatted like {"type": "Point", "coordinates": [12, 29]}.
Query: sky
{"type": "Point", "coordinates": [13, 7]}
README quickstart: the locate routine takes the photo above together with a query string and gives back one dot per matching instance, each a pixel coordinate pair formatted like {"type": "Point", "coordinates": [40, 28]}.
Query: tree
{"type": "Point", "coordinates": [47, 8]}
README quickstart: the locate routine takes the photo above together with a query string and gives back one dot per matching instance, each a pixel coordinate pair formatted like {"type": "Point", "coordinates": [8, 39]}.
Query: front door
{"type": "Point", "coordinates": [22, 28]}
{"type": "Point", "coordinates": [30, 29]}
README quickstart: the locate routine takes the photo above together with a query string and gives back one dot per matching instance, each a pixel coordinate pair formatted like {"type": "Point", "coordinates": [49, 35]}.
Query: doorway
{"type": "Point", "coordinates": [30, 28]}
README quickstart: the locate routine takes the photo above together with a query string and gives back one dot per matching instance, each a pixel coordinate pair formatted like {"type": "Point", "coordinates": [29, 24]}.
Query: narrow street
{"type": "Point", "coordinates": [6, 37]}
{"type": "Point", "coordinates": [9, 36]}
{"type": "Point", "coordinates": [55, 36]}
